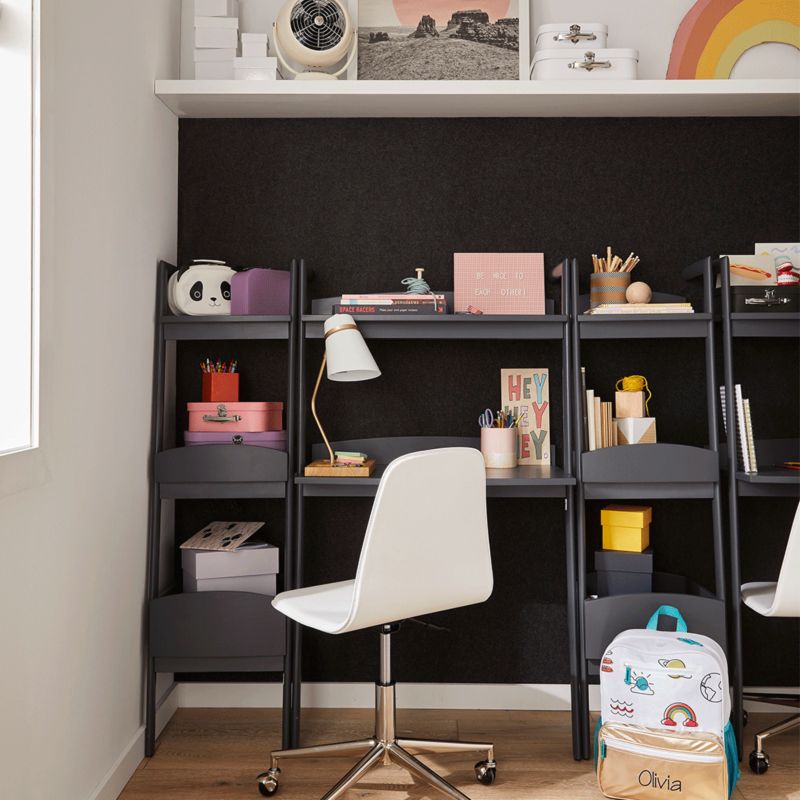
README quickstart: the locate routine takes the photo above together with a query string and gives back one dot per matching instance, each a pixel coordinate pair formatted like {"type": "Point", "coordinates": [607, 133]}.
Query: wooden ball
{"type": "Point", "coordinates": [638, 292]}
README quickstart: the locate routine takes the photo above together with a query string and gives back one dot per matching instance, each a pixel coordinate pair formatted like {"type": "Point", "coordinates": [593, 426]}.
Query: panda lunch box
{"type": "Point", "coordinates": [204, 288]}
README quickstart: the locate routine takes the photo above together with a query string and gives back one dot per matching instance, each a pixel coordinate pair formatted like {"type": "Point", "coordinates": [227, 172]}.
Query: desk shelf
{"type": "Point", "coordinates": [216, 632]}
{"type": "Point", "coordinates": [448, 326]}
{"type": "Point", "coordinates": [224, 328]}
{"type": "Point", "coordinates": [578, 98]}
{"type": "Point", "coordinates": [220, 471]}
{"type": "Point", "coordinates": [644, 326]}
{"type": "Point", "coordinates": [765, 325]}
{"type": "Point", "coordinates": [650, 471]}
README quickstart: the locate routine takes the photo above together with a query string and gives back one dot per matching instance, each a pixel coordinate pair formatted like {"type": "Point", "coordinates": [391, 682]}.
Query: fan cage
{"type": "Point", "coordinates": [317, 24]}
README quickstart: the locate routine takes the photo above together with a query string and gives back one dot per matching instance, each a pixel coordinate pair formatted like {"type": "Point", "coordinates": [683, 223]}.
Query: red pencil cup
{"type": "Point", "coordinates": [220, 387]}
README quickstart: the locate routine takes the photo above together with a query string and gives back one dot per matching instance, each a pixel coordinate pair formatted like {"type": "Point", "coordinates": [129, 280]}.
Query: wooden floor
{"type": "Point", "coordinates": [215, 754]}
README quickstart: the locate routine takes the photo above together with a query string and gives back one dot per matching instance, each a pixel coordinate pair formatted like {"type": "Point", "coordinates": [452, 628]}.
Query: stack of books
{"type": "Point", "coordinates": [744, 428]}
{"type": "Point", "coordinates": [348, 459]}
{"type": "Point", "coordinates": [401, 303]}
{"type": "Point", "coordinates": [643, 308]}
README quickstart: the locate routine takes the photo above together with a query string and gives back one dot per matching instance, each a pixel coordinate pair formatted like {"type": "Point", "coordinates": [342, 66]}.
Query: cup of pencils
{"type": "Point", "coordinates": [220, 381]}
{"type": "Point", "coordinates": [498, 439]}
{"type": "Point", "coordinates": [610, 278]}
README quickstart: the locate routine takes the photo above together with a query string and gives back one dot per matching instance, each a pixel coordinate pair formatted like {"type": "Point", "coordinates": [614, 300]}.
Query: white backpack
{"type": "Point", "coordinates": [665, 705]}
{"type": "Point", "coordinates": [666, 679]}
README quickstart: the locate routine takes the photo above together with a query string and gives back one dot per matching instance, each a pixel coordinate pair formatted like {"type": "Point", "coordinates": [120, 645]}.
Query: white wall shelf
{"type": "Point", "coordinates": [607, 98]}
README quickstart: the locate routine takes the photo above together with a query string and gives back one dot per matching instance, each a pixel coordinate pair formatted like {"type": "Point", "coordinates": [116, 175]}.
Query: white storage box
{"type": "Point", "coordinates": [214, 70]}
{"type": "Point", "coordinates": [253, 565]}
{"type": "Point", "coordinates": [569, 35]}
{"type": "Point", "coordinates": [216, 37]}
{"type": "Point", "coordinates": [217, 22]}
{"type": "Point", "coordinates": [254, 45]}
{"type": "Point", "coordinates": [257, 584]}
{"type": "Point", "coordinates": [215, 54]}
{"type": "Point", "coordinates": [255, 69]}
{"type": "Point", "coordinates": [216, 8]}
{"type": "Point", "coordinates": [615, 64]}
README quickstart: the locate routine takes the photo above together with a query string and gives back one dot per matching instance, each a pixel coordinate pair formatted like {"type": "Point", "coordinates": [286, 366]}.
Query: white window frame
{"type": "Point", "coordinates": [32, 443]}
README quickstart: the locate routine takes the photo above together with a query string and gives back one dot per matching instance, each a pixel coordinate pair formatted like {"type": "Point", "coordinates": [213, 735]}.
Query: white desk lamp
{"type": "Point", "coordinates": [347, 358]}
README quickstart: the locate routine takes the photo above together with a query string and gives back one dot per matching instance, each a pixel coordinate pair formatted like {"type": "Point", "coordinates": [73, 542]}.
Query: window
{"type": "Point", "coordinates": [19, 224]}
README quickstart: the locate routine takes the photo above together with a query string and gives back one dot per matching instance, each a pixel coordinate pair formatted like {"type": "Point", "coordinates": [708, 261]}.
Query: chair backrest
{"type": "Point", "coordinates": [787, 592]}
{"type": "Point", "coordinates": [426, 548]}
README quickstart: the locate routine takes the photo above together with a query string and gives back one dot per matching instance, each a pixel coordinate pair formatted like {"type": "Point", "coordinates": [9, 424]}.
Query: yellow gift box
{"type": "Point", "coordinates": [626, 528]}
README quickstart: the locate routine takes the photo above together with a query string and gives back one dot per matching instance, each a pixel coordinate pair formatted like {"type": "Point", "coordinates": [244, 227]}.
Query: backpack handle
{"type": "Point", "coordinates": [668, 611]}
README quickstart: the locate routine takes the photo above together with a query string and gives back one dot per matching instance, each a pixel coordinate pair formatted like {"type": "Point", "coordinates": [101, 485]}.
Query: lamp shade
{"type": "Point", "coordinates": [349, 358]}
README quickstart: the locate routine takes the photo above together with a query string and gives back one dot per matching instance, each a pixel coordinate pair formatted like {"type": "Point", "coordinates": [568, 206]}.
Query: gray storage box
{"type": "Point", "coordinates": [623, 573]}
{"type": "Point", "coordinates": [252, 567]}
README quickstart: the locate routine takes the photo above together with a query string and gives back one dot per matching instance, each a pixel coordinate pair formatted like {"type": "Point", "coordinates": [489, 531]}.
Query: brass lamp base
{"type": "Point", "coordinates": [321, 468]}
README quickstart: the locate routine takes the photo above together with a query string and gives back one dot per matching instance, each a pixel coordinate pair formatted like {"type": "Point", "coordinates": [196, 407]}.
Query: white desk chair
{"type": "Point", "coordinates": [781, 599]}
{"type": "Point", "coordinates": [426, 549]}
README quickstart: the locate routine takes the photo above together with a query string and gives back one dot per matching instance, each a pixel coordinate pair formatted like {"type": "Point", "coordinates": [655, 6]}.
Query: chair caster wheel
{"type": "Point", "coordinates": [268, 782]}
{"type": "Point", "coordinates": [759, 762]}
{"type": "Point", "coordinates": [485, 772]}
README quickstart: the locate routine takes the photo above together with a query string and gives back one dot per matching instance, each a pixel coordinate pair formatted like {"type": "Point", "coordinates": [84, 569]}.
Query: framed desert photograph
{"type": "Point", "coordinates": [443, 40]}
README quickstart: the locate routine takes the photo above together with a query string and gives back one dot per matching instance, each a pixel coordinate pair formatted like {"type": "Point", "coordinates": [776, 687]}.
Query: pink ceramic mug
{"type": "Point", "coordinates": [499, 447]}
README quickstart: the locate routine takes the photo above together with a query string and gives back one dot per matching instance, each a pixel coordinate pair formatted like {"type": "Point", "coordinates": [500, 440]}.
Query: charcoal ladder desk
{"type": "Point", "coordinates": [653, 471]}
{"type": "Point", "coordinates": [770, 480]}
{"type": "Point", "coordinates": [522, 481]}
{"type": "Point", "coordinates": [214, 631]}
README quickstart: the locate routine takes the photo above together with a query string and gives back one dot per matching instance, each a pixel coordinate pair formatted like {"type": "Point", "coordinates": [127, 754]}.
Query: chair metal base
{"type": "Point", "coordinates": [384, 747]}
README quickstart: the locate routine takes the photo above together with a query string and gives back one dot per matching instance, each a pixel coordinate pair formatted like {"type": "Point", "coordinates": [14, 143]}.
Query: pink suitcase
{"type": "Point", "coordinates": [273, 439]}
{"type": "Point", "coordinates": [236, 417]}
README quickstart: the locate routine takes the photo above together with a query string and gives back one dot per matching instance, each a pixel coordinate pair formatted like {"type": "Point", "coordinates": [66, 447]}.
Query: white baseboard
{"type": "Point", "coordinates": [120, 773]}
{"type": "Point", "coordinates": [502, 696]}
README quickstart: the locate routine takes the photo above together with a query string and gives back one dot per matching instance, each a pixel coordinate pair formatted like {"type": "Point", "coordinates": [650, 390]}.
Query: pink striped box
{"type": "Point", "coordinates": [499, 283]}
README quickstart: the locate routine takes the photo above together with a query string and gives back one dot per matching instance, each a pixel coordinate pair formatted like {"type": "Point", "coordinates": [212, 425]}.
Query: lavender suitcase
{"type": "Point", "coordinates": [260, 291]}
{"type": "Point", "coordinates": [274, 439]}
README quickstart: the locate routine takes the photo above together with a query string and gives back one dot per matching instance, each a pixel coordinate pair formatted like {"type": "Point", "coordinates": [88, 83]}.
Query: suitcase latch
{"type": "Point", "coordinates": [589, 63]}
{"type": "Point", "coordinates": [238, 438]}
{"type": "Point", "coordinates": [768, 299]}
{"type": "Point", "coordinates": [574, 35]}
{"type": "Point", "coordinates": [222, 416]}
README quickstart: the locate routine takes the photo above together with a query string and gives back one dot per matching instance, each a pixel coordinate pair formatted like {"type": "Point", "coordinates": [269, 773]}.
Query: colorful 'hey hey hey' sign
{"type": "Point", "coordinates": [525, 393]}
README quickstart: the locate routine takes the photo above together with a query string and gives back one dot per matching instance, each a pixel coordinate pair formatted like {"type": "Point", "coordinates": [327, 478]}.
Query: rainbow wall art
{"type": "Point", "coordinates": [715, 33]}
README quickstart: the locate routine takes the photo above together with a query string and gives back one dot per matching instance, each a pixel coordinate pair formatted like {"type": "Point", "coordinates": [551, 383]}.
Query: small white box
{"type": "Point", "coordinates": [255, 69]}
{"type": "Point", "coordinates": [255, 45]}
{"type": "Point", "coordinates": [615, 64]}
{"type": "Point", "coordinates": [217, 22]}
{"type": "Point", "coordinates": [254, 50]}
{"type": "Point", "coordinates": [571, 35]}
{"type": "Point", "coordinates": [257, 584]}
{"type": "Point", "coordinates": [251, 558]}
{"type": "Point", "coordinates": [215, 54]}
{"type": "Point", "coordinates": [216, 37]}
{"type": "Point", "coordinates": [214, 70]}
{"type": "Point", "coordinates": [216, 8]}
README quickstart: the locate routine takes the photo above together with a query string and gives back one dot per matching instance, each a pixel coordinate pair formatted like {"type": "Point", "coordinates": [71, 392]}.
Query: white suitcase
{"type": "Point", "coordinates": [585, 64]}
{"type": "Point", "coordinates": [571, 35]}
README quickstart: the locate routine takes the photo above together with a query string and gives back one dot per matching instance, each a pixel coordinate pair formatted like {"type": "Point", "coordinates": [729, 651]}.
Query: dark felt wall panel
{"type": "Point", "coordinates": [366, 201]}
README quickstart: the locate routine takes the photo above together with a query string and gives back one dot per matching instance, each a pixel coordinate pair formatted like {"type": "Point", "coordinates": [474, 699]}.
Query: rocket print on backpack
{"type": "Point", "coordinates": [665, 715]}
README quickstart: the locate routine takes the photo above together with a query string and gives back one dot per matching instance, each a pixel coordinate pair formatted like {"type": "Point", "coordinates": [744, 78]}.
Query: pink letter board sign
{"type": "Point", "coordinates": [499, 283]}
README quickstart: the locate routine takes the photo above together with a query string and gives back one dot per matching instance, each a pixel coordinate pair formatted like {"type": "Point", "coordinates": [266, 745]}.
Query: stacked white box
{"type": "Point", "coordinates": [252, 567]}
{"type": "Point", "coordinates": [255, 69]}
{"type": "Point", "coordinates": [216, 8]}
{"type": "Point", "coordinates": [216, 32]}
{"type": "Point", "coordinates": [254, 45]}
{"type": "Point", "coordinates": [214, 63]}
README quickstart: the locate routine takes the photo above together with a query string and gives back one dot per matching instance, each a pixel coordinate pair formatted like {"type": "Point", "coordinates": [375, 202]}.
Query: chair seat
{"type": "Point", "coordinates": [325, 607]}
{"type": "Point", "coordinates": [760, 596]}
